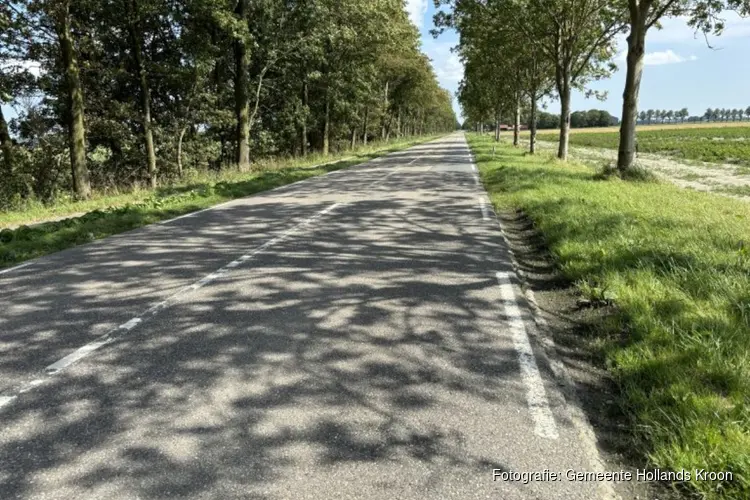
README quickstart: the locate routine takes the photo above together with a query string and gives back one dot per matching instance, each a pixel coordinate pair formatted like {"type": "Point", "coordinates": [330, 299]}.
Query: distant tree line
{"type": "Point", "coordinates": [123, 92]}
{"type": "Point", "coordinates": [717, 114]}
{"type": "Point", "coordinates": [669, 116]}
{"type": "Point", "coordinates": [578, 119]}
{"type": "Point", "coordinates": [663, 116]}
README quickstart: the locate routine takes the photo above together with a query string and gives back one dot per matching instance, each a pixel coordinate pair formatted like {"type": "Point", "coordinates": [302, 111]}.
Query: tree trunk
{"type": "Point", "coordinates": [383, 131]}
{"type": "Point", "coordinates": [7, 146]}
{"type": "Point", "coordinates": [364, 126]}
{"type": "Point", "coordinates": [563, 88]}
{"type": "Point", "coordinates": [497, 127]}
{"type": "Point", "coordinates": [398, 124]}
{"type": "Point", "coordinates": [354, 138]}
{"type": "Point", "coordinates": [636, 50]}
{"type": "Point", "coordinates": [532, 124]}
{"type": "Point", "coordinates": [135, 40]}
{"type": "Point", "coordinates": [517, 122]}
{"type": "Point", "coordinates": [74, 97]}
{"type": "Point", "coordinates": [305, 105]}
{"type": "Point", "coordinates": [179, 149]}
{"type": "Point", "coordinates": [327, 126]}
{"type": "Point", "coordinates": [242, 93]}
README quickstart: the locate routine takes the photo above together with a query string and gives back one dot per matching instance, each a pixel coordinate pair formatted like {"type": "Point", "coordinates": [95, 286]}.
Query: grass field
{"type": "Point", "coordinates": [727, 142]}
{"type": "Point", "coordinates": [655, 126]}
{"type": "Point", "coordinates": [112, 214]}
{"type": "Point", "coordinates": [676, 264]}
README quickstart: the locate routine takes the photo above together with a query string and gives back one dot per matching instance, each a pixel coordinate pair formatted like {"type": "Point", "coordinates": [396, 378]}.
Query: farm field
{"type": "Point", "coordinates": [727, 143]}
{"type": "Point", "coordinates": [656, 126]}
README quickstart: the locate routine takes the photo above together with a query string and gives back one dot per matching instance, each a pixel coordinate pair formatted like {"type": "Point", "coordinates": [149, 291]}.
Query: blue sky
{"type": "Point", "coordinates": [681, 70]}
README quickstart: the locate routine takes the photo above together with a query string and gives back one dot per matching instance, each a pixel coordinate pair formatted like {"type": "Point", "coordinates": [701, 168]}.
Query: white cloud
{"type": "Point", "coordinates": [448, 67]}
{"type": "Point", "coordinates": [417, 10]}
{"type": "Point", "coordinates": [665, 57]}
{"type": "Point", "coordinates": [658, 58]}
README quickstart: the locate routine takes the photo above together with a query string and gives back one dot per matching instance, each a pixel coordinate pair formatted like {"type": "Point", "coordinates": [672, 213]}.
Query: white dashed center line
{"type": "Point", "coordinates": [112, 335]}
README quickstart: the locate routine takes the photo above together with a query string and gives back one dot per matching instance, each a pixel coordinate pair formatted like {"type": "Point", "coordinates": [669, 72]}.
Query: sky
{"type": "Point", "coordinates": [681, 70]}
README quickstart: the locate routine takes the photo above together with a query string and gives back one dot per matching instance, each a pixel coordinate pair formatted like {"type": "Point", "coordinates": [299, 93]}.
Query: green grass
{"type": "Point", "coordinates": [677, 265]}
{"type": "Point", "coordinates": [691, 176]}
{"type": "Point", "coordinates": [111, 214]}
{"type": "Point", "coordinates": [739, 190]}
{"type": "Point", "coordinates": [717, 144]}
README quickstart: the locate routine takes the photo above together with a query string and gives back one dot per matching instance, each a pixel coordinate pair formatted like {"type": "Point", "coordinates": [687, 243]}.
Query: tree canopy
{"type": "Point", "coordinates": [513, 49]}
{"type": "Point", "coordinates": [138, 91]}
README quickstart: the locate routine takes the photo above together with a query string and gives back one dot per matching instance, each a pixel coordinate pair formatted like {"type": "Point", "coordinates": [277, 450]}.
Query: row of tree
{"type": "Point", "coordinates": [726, 114]}
{"type": "Point", "coordinates": [663, 115]}
{"type": "Point", "coordinates": [578, 119]}
{"type": "Point", "coordinates": [517, 52]}
{"type": "Point", "coordinates": [123, 91]}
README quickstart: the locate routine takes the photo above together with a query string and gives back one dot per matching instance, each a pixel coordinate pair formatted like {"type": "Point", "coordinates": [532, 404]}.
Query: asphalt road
{"type": "Point", "coordinates": [355, 335]}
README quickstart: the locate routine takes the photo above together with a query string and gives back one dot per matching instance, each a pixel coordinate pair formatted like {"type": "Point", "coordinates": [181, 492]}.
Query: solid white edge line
{"type": "Point", "coordinates": [483, 208]}
{"type": "Point", "coordinates": [574, 407]}
{"type": "Point", "coordinates": [536, 396]}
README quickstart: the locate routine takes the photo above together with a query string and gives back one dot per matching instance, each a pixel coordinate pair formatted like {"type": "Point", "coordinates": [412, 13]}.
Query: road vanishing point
{"type": "Point", "coordinates": [358, 335]}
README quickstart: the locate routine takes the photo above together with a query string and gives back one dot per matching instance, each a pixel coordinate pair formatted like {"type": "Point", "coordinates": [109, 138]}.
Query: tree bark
{"type": "Point", "coordinates": [74, 97]}
{"type": "Point", "coordinates": [354, 138]}
{"type": "Point", "coordinates": [517, 121]}
{"type": "Point", "coordinates": [383, 131]}
{"type": "Point", "coordinates": [634, 61]}
{"type": "Point", "coordinates": [532, 124]}
{"type": "Point", "coordinates": [562, 73]}
{"type": "Point", "coordinates": [242, 93]}
{"type": "Point", "coordinates": [327, 126]}
{"type": "Point", "coordinates": [179, 149]}
{"type": "Point", "coordinates": [7, 146]}
{"type": "Point", "coordinates": [305, 104]}
{"type": "Point", "coordinates": [497, 127]}
{"type": "Point", "coordinates": [136, 41]}
{"type": "Point", "coordinates": [364, 126]}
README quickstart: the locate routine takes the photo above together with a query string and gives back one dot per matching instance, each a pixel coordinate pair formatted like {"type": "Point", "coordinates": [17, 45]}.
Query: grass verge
{"type": "Point", "coordinates": [108, 215]}
{"type": "Point", "coordinates": [676, 264]}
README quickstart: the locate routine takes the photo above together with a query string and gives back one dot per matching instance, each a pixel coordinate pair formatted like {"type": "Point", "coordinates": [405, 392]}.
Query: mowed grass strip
{"type": "Point", "coordinates": [717, 144]}
{"type": "Point", "coordinates": [677, 265]}
{"type": "Point", "coordinates": [110, 215]}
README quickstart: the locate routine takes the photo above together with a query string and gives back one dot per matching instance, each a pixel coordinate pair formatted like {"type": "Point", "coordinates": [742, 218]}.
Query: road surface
{"type": "Point", "coordinates": [355, 335]}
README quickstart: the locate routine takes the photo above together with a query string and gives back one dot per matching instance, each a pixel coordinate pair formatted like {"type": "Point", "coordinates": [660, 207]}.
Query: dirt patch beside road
{"type": "Point", "coordinates": [724, 179]}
